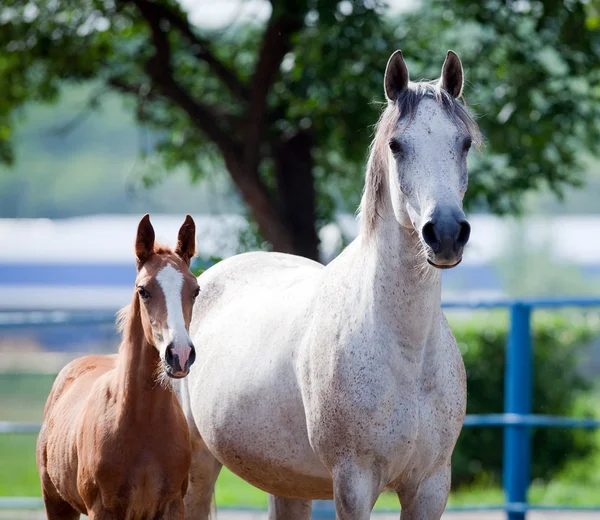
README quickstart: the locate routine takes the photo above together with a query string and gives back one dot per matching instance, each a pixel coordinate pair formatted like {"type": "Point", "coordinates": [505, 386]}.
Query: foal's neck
{"type": "Point", "coordinates": [137, 366]}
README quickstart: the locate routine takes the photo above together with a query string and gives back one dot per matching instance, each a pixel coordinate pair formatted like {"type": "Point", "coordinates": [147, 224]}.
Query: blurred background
{"type": "Point", "coordinates": [256, 117]}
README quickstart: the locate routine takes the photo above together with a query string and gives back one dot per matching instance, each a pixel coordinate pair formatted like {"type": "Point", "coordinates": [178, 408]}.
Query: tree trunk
{"type": "Point", "coordinates": [295, 182]}
{"type": "Point", "coordinates": [254, 195]}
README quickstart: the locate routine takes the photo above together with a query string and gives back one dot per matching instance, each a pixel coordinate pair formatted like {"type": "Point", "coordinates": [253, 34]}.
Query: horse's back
{"type": "Point", "coordinates": [79, 372]}
{"type": "Point", "coordinates": [258, 282]}
{"type": "Point", "coordinates": [259, 268]}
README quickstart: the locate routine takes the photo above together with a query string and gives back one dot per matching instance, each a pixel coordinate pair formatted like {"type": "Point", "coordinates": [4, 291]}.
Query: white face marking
{"type": "Point", "coordinates": [433, 167]}
{"type": "Point", "coordinates": [171, 283]}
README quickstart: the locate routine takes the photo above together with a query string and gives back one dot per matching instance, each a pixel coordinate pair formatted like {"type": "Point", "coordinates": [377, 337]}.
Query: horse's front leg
{"type": "Point", "coordinates": [281, 508]}
{"type": "Point", "coordinates": [98, 512]}
{"type": "Point", "coordinates": [427, 500]}
{"type": "Point", "coordinates": [355, 490]}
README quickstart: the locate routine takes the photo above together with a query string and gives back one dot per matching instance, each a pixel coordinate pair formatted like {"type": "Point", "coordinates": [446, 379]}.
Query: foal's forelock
{"type": "Point", "coordinates": [404, 109]}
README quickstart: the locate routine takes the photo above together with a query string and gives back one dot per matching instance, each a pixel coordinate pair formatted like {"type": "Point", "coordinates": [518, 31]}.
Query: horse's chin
{"type": "Point", "coordinates": [443, 266]}
{"type": "Point", "coordinates": [176, 375]}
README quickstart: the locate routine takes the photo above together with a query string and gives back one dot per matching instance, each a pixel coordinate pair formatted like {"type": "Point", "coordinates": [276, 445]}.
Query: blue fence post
{"type": "Point", "coordinates": [517, 400]}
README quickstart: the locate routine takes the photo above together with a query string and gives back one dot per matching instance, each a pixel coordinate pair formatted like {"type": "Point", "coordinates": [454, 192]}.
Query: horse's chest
{"type": "Point", "coordinates": [441, 402]}
{"type": "Point", "coordinates": [136, 472]}
{"type": "Point", "coordinates": [441, 415]}
{"type": "Point", "coordinates": [392, 409]}
{"type": "Point", "coordinates": [142, 487]}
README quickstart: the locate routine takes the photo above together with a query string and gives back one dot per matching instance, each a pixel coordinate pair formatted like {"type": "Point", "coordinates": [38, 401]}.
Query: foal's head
{"type": "Point", "coordinates": [418, 163]}
{"type": "Point", "coordinates": [166, 289]}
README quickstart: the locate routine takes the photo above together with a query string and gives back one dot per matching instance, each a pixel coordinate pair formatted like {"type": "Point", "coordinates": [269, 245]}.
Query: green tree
{"type": "Point", "coordinates": [286, 107]}
{"type": "Point", "coordinates": [249, 99]}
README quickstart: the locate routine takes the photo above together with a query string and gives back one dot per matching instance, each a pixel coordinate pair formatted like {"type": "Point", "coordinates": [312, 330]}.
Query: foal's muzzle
{"type": "Point", "coordinates": [446, 233]}
{"type": "Point", "coordinates": [178, 361]}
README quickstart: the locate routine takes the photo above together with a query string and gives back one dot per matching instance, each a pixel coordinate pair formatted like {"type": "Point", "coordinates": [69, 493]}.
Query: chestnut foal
{"type": "Point", "coordinates": [114, 443]}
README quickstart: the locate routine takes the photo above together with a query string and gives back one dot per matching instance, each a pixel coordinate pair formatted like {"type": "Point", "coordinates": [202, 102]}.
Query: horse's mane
{"type": "Point", "coordinates": [405, 107]}
{"type": "Point", "coordinates": [123, 314]}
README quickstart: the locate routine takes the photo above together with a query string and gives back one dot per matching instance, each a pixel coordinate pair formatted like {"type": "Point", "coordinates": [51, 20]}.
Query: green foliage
{"type": "Point", "coordinates": [558, 387]}
{"type": "Point", "coordinates": [200, 264]}
{"type": "Point", "coordinates": [531, 71]}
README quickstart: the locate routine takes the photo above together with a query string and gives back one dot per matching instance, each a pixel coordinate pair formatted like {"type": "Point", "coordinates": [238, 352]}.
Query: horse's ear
{"type": "Point", "coordinates": [452, 78]}
{"type": "Point", "coordinates": [144, 242]}
{"type": "Point", "coordinates": [395, 80]}
{"type": "Point", "coordinates": [186, 241]}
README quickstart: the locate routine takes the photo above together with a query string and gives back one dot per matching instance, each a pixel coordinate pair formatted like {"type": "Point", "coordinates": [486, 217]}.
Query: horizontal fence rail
{"type": "Point", "coordinates": [517, 419]}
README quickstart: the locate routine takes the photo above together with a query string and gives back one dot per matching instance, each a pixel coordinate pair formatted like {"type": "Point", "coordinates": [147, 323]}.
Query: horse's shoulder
{"type": "Point", "coordinates": [80, 366]}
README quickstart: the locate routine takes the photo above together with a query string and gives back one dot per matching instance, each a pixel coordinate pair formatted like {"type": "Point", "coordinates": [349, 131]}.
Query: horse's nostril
{"type": "Point", "coordinates": [192, 357]}
{"type": "Point", "coordinates": [169, 354]}
{"type": "Point", "coordinates": [430, 236]}
{"type": "Point", "coordinates": [463, 234]}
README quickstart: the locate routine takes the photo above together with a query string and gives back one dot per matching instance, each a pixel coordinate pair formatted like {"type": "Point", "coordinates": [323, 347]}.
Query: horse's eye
{"type": "Point", "coordinates": [144, 294]}
{"type": "Point", "coordinates": [467, 145]}
{"type": "Point", "coordinates": [395, 146]}
{"type": "Point", "coordinates": [196, 292]}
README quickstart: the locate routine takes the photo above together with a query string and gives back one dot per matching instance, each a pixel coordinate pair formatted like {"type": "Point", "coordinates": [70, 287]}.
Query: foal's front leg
{"type": "Point", "coordinates": [428, 500]}
{"type": "Point", "coordinates": [99, 513]}
{"type": "Point", "coordinates": [173, 511]}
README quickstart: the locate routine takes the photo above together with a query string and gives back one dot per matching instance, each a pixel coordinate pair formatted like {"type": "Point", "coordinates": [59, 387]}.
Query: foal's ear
{"type": "Point", "coordinates": [186, 240]}
{"type": "Point", "coordinates": [452, 78]}
{"type": "Point", "coordinates": [395, 80]}
{"type": "Point", "coordinates": [144, 242]}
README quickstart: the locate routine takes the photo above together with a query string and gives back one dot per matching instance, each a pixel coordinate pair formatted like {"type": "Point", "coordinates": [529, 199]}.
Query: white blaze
{"type": "Point", "coordinates": [171, 283]}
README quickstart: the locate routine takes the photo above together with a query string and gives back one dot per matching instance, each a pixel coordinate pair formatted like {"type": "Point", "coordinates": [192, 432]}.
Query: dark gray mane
{"type": "Point", "coordinates": [404, 108]}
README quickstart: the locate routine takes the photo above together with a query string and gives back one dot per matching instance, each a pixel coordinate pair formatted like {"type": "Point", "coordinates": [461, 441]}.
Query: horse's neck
{"type": "Point", "coordinates": [405, 290]}
{"type": "Point", "coordinates": [137, 365]}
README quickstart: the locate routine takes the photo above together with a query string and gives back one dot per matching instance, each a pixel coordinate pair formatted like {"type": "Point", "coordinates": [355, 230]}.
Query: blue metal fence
{"type": "Point", "coordinates": [517, 419]}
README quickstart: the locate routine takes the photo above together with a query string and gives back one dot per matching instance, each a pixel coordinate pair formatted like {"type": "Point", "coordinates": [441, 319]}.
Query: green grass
{"type": "Point", "coordinates": [22, 398]}
{"type": "Point", "coordinates": [18, 477]}
{"type": "Point", "coordinates": [18, 472]}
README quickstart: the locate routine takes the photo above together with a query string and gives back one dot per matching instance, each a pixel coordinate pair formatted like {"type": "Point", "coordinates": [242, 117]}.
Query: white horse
{"type": "Point", "coordinates": [343, 381]}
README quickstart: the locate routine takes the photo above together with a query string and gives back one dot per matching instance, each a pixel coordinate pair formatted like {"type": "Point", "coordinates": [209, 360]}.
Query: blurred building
{"type": "Point", "coordinates": [87, 263]}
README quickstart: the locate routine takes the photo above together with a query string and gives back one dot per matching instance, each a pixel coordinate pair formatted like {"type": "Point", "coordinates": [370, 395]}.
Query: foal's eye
{"type": "Point", "coordinates": [196, 292]}
{"type": "Point", "coordinates": [144, 294]}
{"type": "Point", "coordinates": [395, 146]}
{"type": "Point", "coordinates": [467, 145]}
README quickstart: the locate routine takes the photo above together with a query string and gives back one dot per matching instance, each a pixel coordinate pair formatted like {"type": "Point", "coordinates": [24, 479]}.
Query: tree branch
{"type": "Point", "coordinates": [91, 104]}
{"type": "Point", "coordinates": [276, 43]}
{"type": "Point", "coordinates": [160, 70]}
{"type": "Point", "coordinates": [200, 47]}
{"type": "Point", "coordinates": [130, 88]}
{"type": "Point", "coordinates": [143, 94]}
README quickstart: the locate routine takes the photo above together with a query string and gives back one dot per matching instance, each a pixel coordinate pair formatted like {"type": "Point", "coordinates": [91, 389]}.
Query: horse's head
{"type": "Point", "coordinates": [426, 135]}
{"type": "Point", "coordinates": [166, 289]}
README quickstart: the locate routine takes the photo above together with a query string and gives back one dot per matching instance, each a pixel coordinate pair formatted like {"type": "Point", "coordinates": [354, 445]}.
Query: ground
{"type": "Point", "coordinates": [233, 515]}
